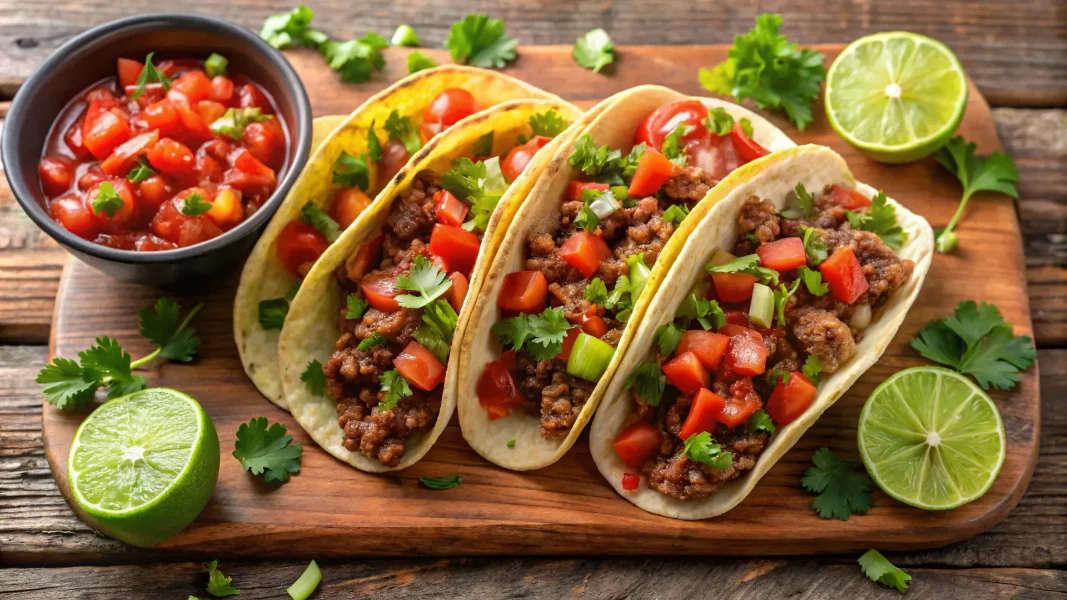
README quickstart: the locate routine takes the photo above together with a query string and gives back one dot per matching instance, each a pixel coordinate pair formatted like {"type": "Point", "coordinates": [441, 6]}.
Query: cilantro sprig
{"type": "Point", "coordinates": [805, 204]}
{"type": "Point", "coordinates": [765, 66]}
{"type": "Point", "coordinates": [234, 121]}
{"type": "Point", "coordinates": [70, 384]}
{"type": "Point", "coordinates": [843, 488]}
{"type": "Point", "coordinates": [395, 387]}
{"type": "Point", "coordinates": [311, 214]}
{"type": "Point", "coordinates": [481, 184]}
{"type": "Point", "coordinates": [292, 29]}
{"type": "Point", "coordinates": [594, 50]}
{"type": "Point", "coordinates": [878, 568]}
{"type": "Point", "coordinates": [314, 379]}
{"type": "Point", "coordinates": [540, 335]}
{"type": "Point", "coordinates": [107, 200]}
{"type": "Point", "coordinates": [812, 368]}
{"type": "Point", "coordinates": [401, 129]}
{"type": "Point", "coordinates": [426, 279]}
{"type": "Point", "coordinates": [976, 340]}
{"type": "Point", "coordinates": [480, 41]}
{"type": "Point", "coordinates": [719, 121]}
{"type": "Point", "coordinates": [648, 382]}
{"type": "Point", "coordinates": [702, 448]}
{"type": "Point", "coordinates": [993, 173]}
{"type": "Point", "coordinates": [194, 205]}
{"type": "Point", "coordinates": [592, 159]}
{"type": "Point", "coordinates": [266, 451]}
{"type": "Point", "coordinates": [749, 265]}
{"type": "Point", "coordinates": [353, 171]}
{"type": "Point", "coordinates": [149, 74]}
{"type": "Point", "coordinates": [880, 219]}
{"type": "Point", "coordinates": [439, 321]}
{"type": "Point", "coordinates": [548, 123]}
{"type": "Point", "coordinates": [218, 584]}
{"type": "Point", "coordinates": [355, 60]}
{"type": "Point", "coordinates": [760, 421]}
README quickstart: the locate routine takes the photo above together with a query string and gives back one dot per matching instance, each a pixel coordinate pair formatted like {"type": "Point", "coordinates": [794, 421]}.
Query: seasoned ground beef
{"type": "Point", "coordinates": [676, 475]}
{"type": "Point", "coordinates": [760, 218]}
{"type": "Point", "coordinates": [562, 395]}
{"type": "Point", "coordinates": [353, 375]}
{"type": "Point", "coordinates": [823, 335]}
{"type": "Point", "coordinates": [690, 186]}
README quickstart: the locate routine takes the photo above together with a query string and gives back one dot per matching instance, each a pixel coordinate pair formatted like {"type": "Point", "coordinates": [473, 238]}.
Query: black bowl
{"type": "Point", "coordinates": [90, 57]}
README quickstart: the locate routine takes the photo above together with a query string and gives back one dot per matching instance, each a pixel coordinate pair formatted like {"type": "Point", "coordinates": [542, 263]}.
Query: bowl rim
{"type": "Point", "coordinates": [21, 109]}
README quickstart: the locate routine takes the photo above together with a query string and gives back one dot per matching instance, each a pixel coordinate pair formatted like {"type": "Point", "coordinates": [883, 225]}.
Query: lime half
{"type": "Point", "coordinates": [145, 465]}
{"type": "Point", "coordinates": [896, 96]}
{"type": "Point", "coordinates": [931, 438]}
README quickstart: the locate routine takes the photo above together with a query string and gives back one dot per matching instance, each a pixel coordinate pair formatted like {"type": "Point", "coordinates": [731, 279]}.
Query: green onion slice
{"type": "Point", "coordinates": [589, 358]}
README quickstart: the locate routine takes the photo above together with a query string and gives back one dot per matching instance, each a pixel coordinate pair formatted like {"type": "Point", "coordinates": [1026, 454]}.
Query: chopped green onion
{"type": "Point", "coordinates": [621, 192]}
{"type": "Point", "coordinates": [307, 583]}
{"type": "Point", "coordinates": [215, 65]}
{"type": "Point", "coordinates": [405, 36]}
{"type": "Point", "coordinates": [589, 358]}
{"type": "Point", "coordinates": [639, 273]}
{"type": "Point", "coordinates": [761, 310]}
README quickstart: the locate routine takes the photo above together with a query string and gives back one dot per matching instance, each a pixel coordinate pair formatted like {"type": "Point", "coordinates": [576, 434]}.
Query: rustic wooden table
{"type": "Point", "coordinates": [1015, 52]}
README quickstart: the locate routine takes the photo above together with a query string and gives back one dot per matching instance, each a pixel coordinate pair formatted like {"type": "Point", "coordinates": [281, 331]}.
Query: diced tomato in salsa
{"type": "Point", "coordinates": [523, 291]}
{"type": "Point", "coordinates": [56, 173]}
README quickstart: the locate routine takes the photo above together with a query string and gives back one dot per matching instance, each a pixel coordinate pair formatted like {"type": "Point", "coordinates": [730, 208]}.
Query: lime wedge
{"type": "Point", "coordinates": [145, 465]}
{"type": "Point", "coordinates": [931, 438]}
{"type": "Point", "coordinates": [896, 96]}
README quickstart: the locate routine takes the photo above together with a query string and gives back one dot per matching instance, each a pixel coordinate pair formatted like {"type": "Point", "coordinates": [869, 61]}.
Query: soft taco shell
{"type": "Point", "coordinates": [615, 127]}
{"type": "Point", "coordinates": [310, 330]}
{"type": "Point", "coordinates": [771, 179]}
{"type": "Point", "coordinates": [263, 276]}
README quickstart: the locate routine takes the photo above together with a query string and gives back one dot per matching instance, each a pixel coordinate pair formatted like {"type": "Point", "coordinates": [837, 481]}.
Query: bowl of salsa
{"type": "Point", "coordinates": [155, 148]}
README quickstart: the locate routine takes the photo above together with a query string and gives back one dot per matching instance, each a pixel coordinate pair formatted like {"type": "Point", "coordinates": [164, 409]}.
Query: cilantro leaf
{"type": "Point", "coordinates": [441, 483]}
{"type": "Point", "coordinates": [878, 568]}
{"type": "Point", "coordinates": [805, 204]}
{"type": "Point", "coordinates": [672, 144]}
{"type": "Point", "coordinates": [702, 448]}
{"type": "Point", "coordinates": [311, 214]}
{"type": "Point", "coordinates": [746, 127]}
{"type": "Point", "coordinates": [426, 279]}
{"type": "Point", "coordinates": [355, 60]}
{"type": "Point", "coordinates": [375, 339]}
{"type": "Point", "coordinates": [648, 382]}
{"type": "Point", "coordinates": [480, 41]}
{"type": "Point", "coordinates": [353, 171]}
{"type": "Point", "coordinates": [597, 292]}
{"type": "Point", "coordinates": [107, 359]}
{"type": "Point", "coordinates": [765, 66]}
{"type": "Point", "coordinates": [417, 61]}
{"type": "Point", "coordinates": [160, 325]}
{"type": "Point", "coordinates": [194, 205]}
{"type": "Point", "coordinates": [706, 312]}
{"type": "Point", "coordinates": [667, 337]}
{"type": "Point", "coordinates": [760, 421]}
{"type": "Point", "coordinates": [972, 321]}
{"type": "Point", "coordinates": [234, 121]}
{"type": "Point", "coordinates": [107, 200]}
{"type": "Point", "coordinates": [812, 280]}
{"type": "Point", "coordinates": [512, 332]}
{"type": "Point", "coordinates": [812, 368]}
{"type": "Point", "coordinates": [749, 265]}
{"type": "Point", "coordinates": [438, 324]}
{"type": "Point", "coordinates": [292, 29]}
{"type": "Point", "coordinates": [586, 219]}
{"type": "Point", "coordinates": [483, 146]}
{"type": "Point", "coordinates": [814, 249]}
{"type": "Point", "coordinates": [402, 130]}
{"type": "Point", "coordinates": [374, 146]}
{"type": "Point", "coordinates": [314, 379]}
{"type": "Point", "coordinates": [993, 173]}
{"type": "Point", "coordinates": [149, 74]}
{"type": "Point", "coordinates": [356, 307]}
{"type": "Point", "coordinates": [719, 121]}
{"type": "Point", "coordinates": [881, 220]}
{"type": "Point", "coordinates": [548, 123]}
{"type": "Point", "coordinates": [590, 159]}
{"type": "Point", "coordinates": [266, 451]}
{"type": "Point", "coordinates": [218, 585]}
{"type": "Point", "coordinates": [66, 384]}
{"type": "Point", "coordinates": [777, 376]}
{"type": "Point", "coordinates": [628, 166]}
{"type": "Point", "coordinates": [395, 387]}
{"type": "Point", "coordinates": [141, 172]}
{"type": "Point", "coordinates": [464, 179]}
{"type": "Point", "coordinates": [272, 313]}
{"type": "Point", "coordinates": [480, 183]}
{"type": "Point", "coordinates": [781, 296]}
{"type": "Point", "coordinates": [594, 50]}
{"type": "Point", "coordinates": [547, 331]}
{"type": "Point", "coordinates": [676, 213]}
{"type": "Point", "coordinates": [843, 488]}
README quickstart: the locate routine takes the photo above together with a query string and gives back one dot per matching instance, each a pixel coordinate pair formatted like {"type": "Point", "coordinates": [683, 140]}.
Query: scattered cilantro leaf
{"type": "Point", "coordinates": [781, 296]}
{"type": "Point", "coordinates": [594, 50]}
{"type": "Point", "coordinates": [464, 179]}
{"type": "Point", "coordinates": [480, 41]}
{"type": "Point", "coordinates": [292, 29]}
{"type": "Point", "coordinates": [812, 280]}
{"type": "Point", "coordinates": [353, 171]}
{"type": "Point", "coordinates": [648, 382]}
{"type": "Point", "coordinates": [719, 121]}
{"type": "Point", "coordinates": [149, 74]}
{"type": "Point", "coordinates": [672, 144]}
{"type": "Point", "coordinates": [765, 66]}
{"type": "Point", "coordinates": [311, 214]}
{"type": "Point", "coordinates": [590, 159]}
{"type": "Point", "coordinates": [814, 249]}
{"type": "Point", "coordinates": [805, 204]}
{"type": "Point", "coordinates": [375, 339]}
{"type": "Point", "coordinates": [402, 130]}
{"type": "Point", "coordinates": [107, 200]}
{"type": "Point", "coordinates": [541, 335]}
{"type": "Point", "coordinates": [878, 568]}
{"type": "Point", "coordinates": [597, 292]}
{"type": "Point", "coordinates": [395, 387]}
{"type": "Point", "coordinates": [746, 127]}
{"type": "Point", "coordinates": [272, 313]}
{"type": "Point", "coordinates": [314, 379]}
{"type": "Point", "coordinates": [667, 337]}
{"type": "Point", "coordinates": [702, 448]}
{"type": "Point", "coordinates": [993, 173]}
{"type": "Point", "coordinates": [234, 121]}
{"type": "Point", "coordinates": [442, 483]}
{"type": "Point", "coordinates": [417, 61]}
{"type": "Point", "coordinates": [218, 585]}
{"type": "Point", "coordinates": [748, 264]}
{"type": "Point", "coordinates": [481, 184]}
{"type": "Point", "coordinates": [881, 220]}
{"type": "Point", "coordinates": [161, 326]}
{"type": "Point", "coordinates": [141, 172]}
{"type": "Point", "coordinates": [548, 123]}
{"type": "Point", "coordinates": [843, 488]}
{"type": "Point", "coordinates": [194, 205]}
{"type": "Point", "coordinates": [356, 307]}
{"type": "Point", "coordinates": [760, 421]}
{"type": "Point", "coordinates": [483, 146]}
{"type": "Point", "coordinates": [439, 321]}
{"type": "Point", "coordinates": [426, 279]}
{"type": "Point", "coordinates": [374, 147]}
{"type": "Point", "coordinates": [267, 451]}
{"type": "Point", "coordinates": [812, 368]}
{"type": "Point", "coordinates": [511, 443]}
{"type": "Point", "coordinates": [706, 312]}
{"type": "Point", "coordinates": [355, 60]}
{"type": "Point", "coordinates": [586, 219]}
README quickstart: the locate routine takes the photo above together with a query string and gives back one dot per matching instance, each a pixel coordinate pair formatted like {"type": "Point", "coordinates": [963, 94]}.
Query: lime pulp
{"type": "Point", "coordinates": [931, 438]}
{"type": "Point", "coordinates": [896, 96]}
{"type": "Point", "coordinates": [145, 465]}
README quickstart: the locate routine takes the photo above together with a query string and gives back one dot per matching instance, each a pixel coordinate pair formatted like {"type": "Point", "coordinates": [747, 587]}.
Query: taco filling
{"type": "Point", "coordinates": [590, 266]}
{"type": "Point", "coordinates": [747, 347]}
{"type": "Point", "coordinates": [405, 289]}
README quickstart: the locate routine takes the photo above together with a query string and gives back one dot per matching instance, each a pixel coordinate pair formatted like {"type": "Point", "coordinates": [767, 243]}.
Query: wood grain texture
{"type": "Point", "coordinates": [1015, 51]}
{"type": "Point", "coordinates": [333, 510]}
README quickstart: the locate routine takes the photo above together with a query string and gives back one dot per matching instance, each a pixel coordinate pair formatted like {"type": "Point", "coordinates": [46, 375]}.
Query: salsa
{"type": "Point", "coordinates": [163, 156]}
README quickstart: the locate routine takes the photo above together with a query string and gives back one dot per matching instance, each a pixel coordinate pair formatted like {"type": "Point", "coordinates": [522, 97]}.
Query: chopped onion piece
{"type": "Point", "coordinates": [604, 205]}
{"type": "Point", "coordinates": [861, 317]}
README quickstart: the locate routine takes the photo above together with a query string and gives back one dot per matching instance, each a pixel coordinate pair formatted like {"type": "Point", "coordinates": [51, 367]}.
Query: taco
{"type": "Point", "coordinates": [789, 288]}
{"type": "Point", "coordinates": [351, 166]}
{"type": "Point", "coordinates": [581, 262]}
{"type": "Point", "coordinates": [367, 356]}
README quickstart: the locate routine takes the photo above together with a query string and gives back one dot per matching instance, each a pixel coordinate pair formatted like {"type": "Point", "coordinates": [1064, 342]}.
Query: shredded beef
{"type": "Point", "coordinates": [689, 186]}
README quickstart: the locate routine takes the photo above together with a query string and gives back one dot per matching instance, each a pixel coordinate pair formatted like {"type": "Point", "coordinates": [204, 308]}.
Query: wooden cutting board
{"type": "Point", "coordinates": [330, 509]}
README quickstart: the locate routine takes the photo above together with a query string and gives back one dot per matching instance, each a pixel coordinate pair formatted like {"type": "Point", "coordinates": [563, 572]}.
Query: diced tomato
{"type": "Point", "coordinates": [662, 121]}
{"type": "Point", "coordinates": [497, 390]}
{"type": "Point", "coordinates": [226, 209]}
{"type": "Point", "coordinates": [124, 157]}
{"type": "Point", "coordinates": [709, 347]}
{"type": "Point", "coordinates": [299, 244]}
{"type": "Point", "coordinates": [714, 154]}
{"type": "Point", "coordinates": [731, 330]}
{"type": "Point", "coordinates": [703, 413]}
{"type": "Point", "coordinates": [523, 291]}
{"type": "Point", "coordinates": [637, 443]}
{"type": "Point", "coordinates": [221, 89]}
{"type": "Point", "coordinates": [449, 107]}
{"type": "Point", "coordinates": [419, 366]}
{"type": "Point", "coordinates": [249, 175]}
{"type": "Point", "coordinates": [630, 482]}
{"type": "Point", "coordinates": [848, 199]}
{"type": "Point", "coordinates": [738, 411]}
{"type": "Point", "coordinates": [653, 170]}
{"type": "Point", "coordinates": [172, 158]}
{"type": "Point", "coordinates": [568, 343]}
{"type": "Point", "coordinates": [210, 110]}
{"type": "Point", "coordinates": [459, 248]}
{"type": "Point", "coordinates": [458, 292]}
{"type": "Point", "coordinates": [782, 255]}
{"type": "Point", "coordinates": [124, 216]}
{"type": "Point", "coordinates": [266, 141]}
{"type": "Point", "coordinates": [449, 209]}
{"type": "Point", "coordinates": [843, 273]}
{"type": "Point", "coordinates": [56, 173]}
{"type": "Point", "coordinates": [348, 203]}
{"type": "Point", "coordinates": [103, 129]}
{"type": "Point", "coordinates": [789, 400]}
{"type": "Point", "coordinates": [74, 216]}
{"type": "Point", "coordinates": [574, 188]}
{"type": "Point", "coordinates": [163, 115]}
{"type": "Point", "coordinates": [194, 131]}
{"type": "Point", "coordinates": [194, 85]}
{"type": "Point", "coordinates": [380, 290]}
{"type": "Point", "coordinates": [73, 139]}
{"type": "Point", "coordinates": [746, 147]}
{"type": "Point", "coordinates": [686, 373]}
{"type": "Point", "coordinates": [515, 162]}
{"type": "Point", "coordinates": [129, 71]}
{"type": "Point", "coordinates": [734, 287]}
{"type": "Point", "coordinates": [208, 170]}
{"type": "Point", "coordinates": [91, 177]}
{"type": "Point", "coordinates": [736, 317]}
{"type": "Point", "coordinates": [155, 191]}
{"type": "Point", "coordinates": [585, 251]}
{"type": "Point", "coordinates": [594, 326]}
{"type": "Point", "coordinates": [394, 157]}
{"type": "Point", "coordinates": [746, 354]}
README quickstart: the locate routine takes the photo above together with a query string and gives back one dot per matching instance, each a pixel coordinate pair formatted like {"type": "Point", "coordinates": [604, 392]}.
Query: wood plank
{"type": "Point", "coordinates": [499, 509]}
{"type": "Point", "coordinates": [1014, 51]}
